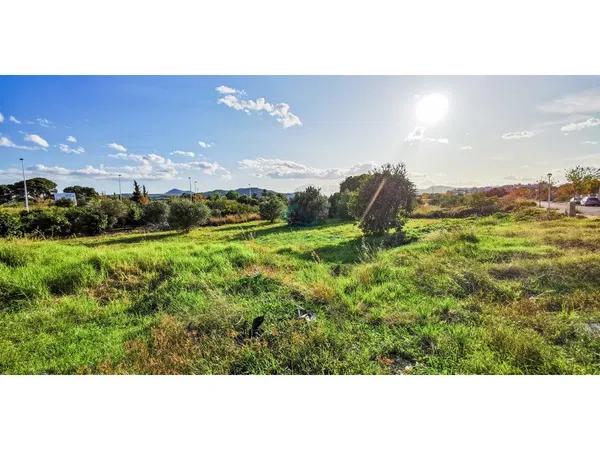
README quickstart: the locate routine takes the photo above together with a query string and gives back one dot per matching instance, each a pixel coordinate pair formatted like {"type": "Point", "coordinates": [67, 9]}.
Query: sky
{"type": "Point", "coordinates": [287, 132]}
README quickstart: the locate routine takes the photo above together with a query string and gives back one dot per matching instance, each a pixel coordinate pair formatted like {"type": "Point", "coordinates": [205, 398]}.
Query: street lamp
{"type": "Point", "coordinates": [24, 185]}
{"type": "Point", "coordinates": [120, 187]}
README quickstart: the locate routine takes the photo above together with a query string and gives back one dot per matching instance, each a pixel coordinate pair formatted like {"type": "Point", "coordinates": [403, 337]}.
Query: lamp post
{"type": "Point", "coordinates": [119, 186]}
{"type": "Point", "coordinates": [25, 185]}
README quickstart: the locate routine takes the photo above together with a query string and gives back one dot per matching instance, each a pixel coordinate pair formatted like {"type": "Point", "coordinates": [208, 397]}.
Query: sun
{"type": "Point", "coordinates": [432, 108]}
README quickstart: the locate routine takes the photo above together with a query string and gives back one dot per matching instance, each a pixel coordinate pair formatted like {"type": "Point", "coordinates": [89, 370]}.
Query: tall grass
{"type": "Point", "coordinates": [483, 295]}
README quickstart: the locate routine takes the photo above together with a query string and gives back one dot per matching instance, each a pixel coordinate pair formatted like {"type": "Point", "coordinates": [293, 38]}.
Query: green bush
{"type": "Point", "coordinates": [384, 199]}
{"type": "Point", "coordinates": [116, 211]}
{"type": "Point", "coordinates": [9, 225]}
{"type": "Point", "coordinates": [87, 221]}
{"type": "Point", "coordinates": [184, 214]}
{"type": "Point", "coordinates": [133, 216]}
{"type": "Point", "coordinates": [155, 214]}
{"type": "Point", "coordinates": [63, 203]}
{"type": "Point", "coordinates": [308, 208]}
{"type": "Point", "coordinates": [46, 222]}
{"type": "Point", "coordinates": [272, 208]}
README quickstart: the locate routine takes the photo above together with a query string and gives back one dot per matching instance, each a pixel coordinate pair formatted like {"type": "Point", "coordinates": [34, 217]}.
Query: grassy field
{"type": "Point", "coordinates": [468, 296]}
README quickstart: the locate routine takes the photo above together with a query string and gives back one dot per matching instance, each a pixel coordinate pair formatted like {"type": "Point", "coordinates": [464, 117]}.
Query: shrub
{"type": "Point", "coordinates": [9, 225]}
{"type": "Point", "coordinates": [234, 218]}
{"type": "Point", "coordinates": [308, 207]}
{"type": "Point", "coordinates": [155, 214]}
{"type": "Point", "coordinates": [115, 210]}
{"type": "Point", "coordinates": [340, 204]}
{"type": "Point", "coordinates": [63, 203]}
{"type": "Point", "coordinates": [272, 208]}
{"type": "Point", "coordinates": [133, 216]}
{"type": "Point", "coordinates": [47, 222]}
{"type": "Point", "coordinates": [384, 199]}
{"type": "Point", "coordinates": [87, 220]}
{"type": "Point", "coordinates": [184, 214]}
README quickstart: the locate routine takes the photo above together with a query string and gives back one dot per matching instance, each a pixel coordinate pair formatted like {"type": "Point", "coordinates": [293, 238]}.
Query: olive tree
{"type": "Point", "coordinates": [272, 208]}
{"type": "Point", "coordinates": [185, 214]}
{"type": "Point", "coordinates": [308, 208]}
{"type": "Point", "coordinates": [384, 199]}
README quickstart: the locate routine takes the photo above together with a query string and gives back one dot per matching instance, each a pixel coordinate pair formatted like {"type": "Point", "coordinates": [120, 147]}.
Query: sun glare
{"type": "Point", "coordinates": [432, 108]}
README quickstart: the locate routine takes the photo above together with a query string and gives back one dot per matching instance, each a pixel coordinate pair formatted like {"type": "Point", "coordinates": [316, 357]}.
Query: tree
{"type": "Point", "coordinates": [184, 214]}
{"type": "Point", "coordinates": [37, 188]}
{"type": "Point", "coordinates": [116, 211]}
{"type": "Point", "coordinates": [384, 199]}
{"type": "Point", "coordinates": [82, 193]}
{"type": "Point", "coordinates": [155, 214]}
{"type": "Point", "coordinates": [353, 183]}
{"type": "Point", "coordinates": [341, 204]}
{"type": "Point", "coordinates": [576, 176]}
{"type": "Point", "coordinates": [272, 208]}
{"type": "Point", "coordinates": [137, 193]}
{"type": "Point", "coordinates": [87, 220]}
{"type": "Point", "coordinates": [232, 195]}
{"type": "Point", "coordinates": [308, 208]}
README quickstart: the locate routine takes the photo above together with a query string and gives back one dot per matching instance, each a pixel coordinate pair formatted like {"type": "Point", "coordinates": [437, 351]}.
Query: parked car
{"type": "Point", "coordinates": [590, 201]}
{"type": "Point", "coordinates": [576, 200]}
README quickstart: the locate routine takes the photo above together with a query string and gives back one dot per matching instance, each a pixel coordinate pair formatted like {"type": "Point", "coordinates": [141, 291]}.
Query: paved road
{"type": "Point", "coordinates": [590, 211]}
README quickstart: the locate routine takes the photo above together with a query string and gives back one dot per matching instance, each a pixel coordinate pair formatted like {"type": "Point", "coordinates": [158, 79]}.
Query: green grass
{"type": "Point", "coordinates": [468, 296]}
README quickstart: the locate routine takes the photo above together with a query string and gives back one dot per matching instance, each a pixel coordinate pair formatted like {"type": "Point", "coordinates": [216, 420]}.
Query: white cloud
{"type": "Point", "coordinates": [1, 118]}
{"type": "Point", "coordinates": [466, 147]}
{"type": "Point", "coordinates": [65, 148]}
{"type": "Point", "coordinates": [44, 122]}
{"type": "Point", "coordinates": [153, 166]}
{"type": "Point", "coordinates": [13, 119]}
{"type": "Point", "coordinates": [418, 135]}
{"type": "Point", "coordinates": [117, 147]}
{"type": "Point", "coordinates": [205, 144]}
{"type": "Point", "coordinates": [284, 169]}
{"type": "Point", "coordinates": [518, 135]}
{"type": "Point", "coordinates": [576, 126]}
{"type": "Point", "coordinates": [590, 142]}
{"type": "Point", "coordinates": [36, 139]}
{"type": "Point", "coordinates": [72, 139]}
{"type": "Point", "coordinates": [584, 102]}
{"type": "Point", "coordinates": [281, 111]}
{"type": "Point", "coordinates": [6, 142]}
{"type": "Point", "coordinates": [229, 90]}
{"type": "Point", "coordinates": [182, 153]}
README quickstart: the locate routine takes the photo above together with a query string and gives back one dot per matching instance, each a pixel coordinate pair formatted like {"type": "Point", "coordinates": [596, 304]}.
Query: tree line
{"type": "Point", "coordinates": [379, 201]}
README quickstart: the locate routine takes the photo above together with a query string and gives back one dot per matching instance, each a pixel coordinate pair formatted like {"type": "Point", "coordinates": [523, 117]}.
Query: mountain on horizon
{"type": "Point", "coordinates": [242, 191]}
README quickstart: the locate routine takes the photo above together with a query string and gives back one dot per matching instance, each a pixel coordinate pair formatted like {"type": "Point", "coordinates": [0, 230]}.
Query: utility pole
{"type": "Point", "coordinates": [25, 185]}
{"type": "Point", "coordinates": [191, 193]}
{"type": "Point", "coordinates": [119, 186]}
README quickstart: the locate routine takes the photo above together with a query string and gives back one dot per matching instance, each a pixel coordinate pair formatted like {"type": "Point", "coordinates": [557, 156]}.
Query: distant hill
{"type": "Point", "coordinates": [242, 191]}
{"type": "Point", "coordinates": [176, 192]}
{"type": "Point", "coordinates": [436, 190]}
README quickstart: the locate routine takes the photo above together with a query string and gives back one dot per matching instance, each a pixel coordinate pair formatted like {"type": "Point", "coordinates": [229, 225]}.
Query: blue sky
{"type": "Point", "coordinates": [305, 130]}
